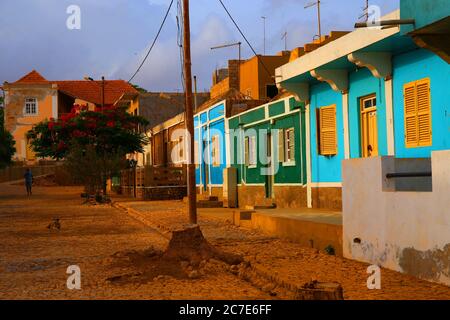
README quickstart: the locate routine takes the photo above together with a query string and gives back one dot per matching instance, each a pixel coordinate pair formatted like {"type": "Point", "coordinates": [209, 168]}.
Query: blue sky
{"type": "Point", "coordinates": [115, 35]}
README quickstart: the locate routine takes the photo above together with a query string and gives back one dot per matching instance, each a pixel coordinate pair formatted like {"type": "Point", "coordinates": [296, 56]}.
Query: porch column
{"type": "Point", "coordinates": [389, 116]}
{"type": "Point", "coordinates": [308, 155]}
{"type": "Point", "coordinates": [346, 124]}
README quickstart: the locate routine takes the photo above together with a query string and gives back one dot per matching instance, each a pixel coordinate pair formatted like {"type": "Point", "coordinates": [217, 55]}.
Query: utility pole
{"type": "Point", "coordinates": [103, 93]}
{"type": "Point", "coordinates": [192, 189]}
{"type": "Point", "coordinates": [264, 23]}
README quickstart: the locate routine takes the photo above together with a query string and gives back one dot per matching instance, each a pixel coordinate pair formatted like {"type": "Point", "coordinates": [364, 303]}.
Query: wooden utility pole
{"type": "Point", "coordinates": [192, 190]}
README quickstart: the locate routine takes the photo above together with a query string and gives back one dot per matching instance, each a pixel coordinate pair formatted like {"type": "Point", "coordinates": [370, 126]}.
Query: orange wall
{"type": "Point", "coordinates": [18, 123]}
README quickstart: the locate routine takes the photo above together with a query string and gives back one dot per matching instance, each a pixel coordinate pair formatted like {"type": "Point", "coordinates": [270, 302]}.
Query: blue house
{"type": "Point", "coordinates": [373, 92]}
{"type": "Point", "coordinates": [211, 142]}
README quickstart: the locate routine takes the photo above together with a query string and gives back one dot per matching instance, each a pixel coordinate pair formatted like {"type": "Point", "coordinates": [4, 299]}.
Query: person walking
{"type": "Point", "coordinates": [28, 181]}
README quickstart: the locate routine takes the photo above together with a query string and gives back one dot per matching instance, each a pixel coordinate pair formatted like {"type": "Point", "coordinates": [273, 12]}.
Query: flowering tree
{"type": "Point", "coordinates": [89, 138]}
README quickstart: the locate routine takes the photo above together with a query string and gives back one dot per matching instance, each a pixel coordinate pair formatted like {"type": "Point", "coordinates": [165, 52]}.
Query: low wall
{"type": "Point", "coordinates": [407, 232]}
{"type": "Point", "coordinates": [16, 173]}
{"type": "Point", "coordinates": [327, 198]}
{"type": "Point", "coordinates": [156, 193]}
{"type": "Point", "coordinates": [283, 196]}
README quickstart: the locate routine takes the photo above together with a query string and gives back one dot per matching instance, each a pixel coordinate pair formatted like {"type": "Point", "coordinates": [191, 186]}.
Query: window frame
{"type": "Point", "coordinates": [251, 160]}
{"type": "Point", "coordinates": [36, 102]}
{"type": "Point", "coordinates": [320, 131]}
{"type": "Point", "coordinates": [215, 151]}
{"type": "Point", "coordinates": [289, 160]}
{"type": "Point", "coordinates": [417, 143]}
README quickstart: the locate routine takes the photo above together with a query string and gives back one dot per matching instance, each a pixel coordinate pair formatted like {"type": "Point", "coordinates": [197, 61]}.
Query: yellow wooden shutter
{"type": "Point", "coordinates": [417, 98]}
{"type": "Point", "coordinates": [424, 112]}
{"type": "Point", "coordinates": [410, 115]}
{"type": "Point", "coordinates": [328, 135]}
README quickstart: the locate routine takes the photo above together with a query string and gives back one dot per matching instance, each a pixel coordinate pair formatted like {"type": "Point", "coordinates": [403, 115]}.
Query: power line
{"type": "Point", "coordinates": [245, 38]}
{"type": "Point", "coordinates": [154, 41]}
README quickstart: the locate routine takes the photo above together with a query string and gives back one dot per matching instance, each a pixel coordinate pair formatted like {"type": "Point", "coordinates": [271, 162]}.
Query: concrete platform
{"type": "Point", "coordinates": [310, 227]}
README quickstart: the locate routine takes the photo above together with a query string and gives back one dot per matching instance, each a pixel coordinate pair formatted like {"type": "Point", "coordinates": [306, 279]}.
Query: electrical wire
{"type": "Point", "coordinates": [154, 42]}
{"type": "Point", "coordinates": [245, 38]}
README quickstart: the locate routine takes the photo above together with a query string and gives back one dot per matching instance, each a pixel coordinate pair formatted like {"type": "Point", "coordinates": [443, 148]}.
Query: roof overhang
{"type": "Point", "coordinates": [126, 99]}
{"type": "Point", "coordinates": [335, 54]}
{"type": "Point", "coordinates": [435, 37]}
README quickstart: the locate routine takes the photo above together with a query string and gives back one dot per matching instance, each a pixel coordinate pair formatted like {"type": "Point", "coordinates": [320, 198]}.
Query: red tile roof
{"type": "Point", "coordinates": [83, 89]}
{"type": "Point", "coordinates": [91, 91]}
{"type": "Point", "coordinates": [32, 77]}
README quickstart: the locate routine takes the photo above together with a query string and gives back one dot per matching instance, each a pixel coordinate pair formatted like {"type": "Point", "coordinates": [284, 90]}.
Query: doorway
{"type": "Point", "coordinates": [369, 127]}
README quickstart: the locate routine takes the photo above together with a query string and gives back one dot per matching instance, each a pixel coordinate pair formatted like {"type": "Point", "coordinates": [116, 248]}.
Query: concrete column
{"type": "Point", "coordinates": [346, 126]}
{"type": "Point", "coordinates": [308, 155]}
{"type": "Point", "coordinates": [389, 117]}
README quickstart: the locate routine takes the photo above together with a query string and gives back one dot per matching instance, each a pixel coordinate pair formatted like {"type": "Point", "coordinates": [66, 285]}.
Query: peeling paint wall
{"type": "Point", "coordinates": [17, 122]}
{"type": "Point", "coordinates": [404, 231]}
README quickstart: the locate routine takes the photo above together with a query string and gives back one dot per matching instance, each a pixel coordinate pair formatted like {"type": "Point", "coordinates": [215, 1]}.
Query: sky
{"type": "Point", "coordinates": [116, 34]}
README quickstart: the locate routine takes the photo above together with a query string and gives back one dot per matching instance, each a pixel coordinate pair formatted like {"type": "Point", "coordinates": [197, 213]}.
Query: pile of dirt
{"type": "Point", "coordinates": [188, 256]}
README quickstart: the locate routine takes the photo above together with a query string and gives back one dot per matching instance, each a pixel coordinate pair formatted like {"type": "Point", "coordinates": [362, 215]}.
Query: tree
{"type": "Point", "coordinates": [93, 143]}
{"type": "Point", "coordinates": [140, 89]}
{"type": "Point", "coordinates": [7, 142]}
{"type": "Point", "coordinates": [7, 148]}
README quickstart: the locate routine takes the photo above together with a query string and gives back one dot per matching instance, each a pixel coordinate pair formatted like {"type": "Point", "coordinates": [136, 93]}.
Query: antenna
{"type": "Point", "coordinates": [365, 14]}
{"type": "Point", "coordinates": [285, 40]}
{"type": "Point", "coordinates": [238, 44]}
{"type": "Point", "coordinates": [312, 4]}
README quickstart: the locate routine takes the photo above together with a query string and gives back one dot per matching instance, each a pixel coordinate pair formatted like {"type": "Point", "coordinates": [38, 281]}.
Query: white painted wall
{"type": "Point", "coordinates": [392, 224]}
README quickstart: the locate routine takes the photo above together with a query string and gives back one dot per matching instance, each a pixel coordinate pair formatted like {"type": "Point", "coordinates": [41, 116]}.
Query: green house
{"type": "Point", "coordinates": [267, 148]}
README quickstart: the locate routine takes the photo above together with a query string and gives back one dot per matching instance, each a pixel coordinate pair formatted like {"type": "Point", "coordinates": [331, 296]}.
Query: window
{"type": "Point", "coordinates": [271, 91]}
{"type": "Point", "coordinates": [326, 130]}
{"type": "Point", "coordinates": [181, 148]}
{"type": "Point", "coordinates": [250, 151]}
{"type": "Point", "coordinates": [196, 153]}
{"type": "Point", "coordinates": [31, 107]}
{"type": "Point", "coordinates": [289, 145]}
{"type": "Point", "coordinates": [215, 151]}
{"type": "Point", "coordinates": [418, 128]}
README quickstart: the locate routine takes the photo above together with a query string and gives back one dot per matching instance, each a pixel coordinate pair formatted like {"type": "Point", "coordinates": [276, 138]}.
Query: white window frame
{"type": "Point", "coordinates": [251, 162]}
{"type": "Point", "coordinates": [36, 102]}
{"type": "Point", "coordinates": [289, 156]}
{"type": "Point", "coordinates": [215, 151]}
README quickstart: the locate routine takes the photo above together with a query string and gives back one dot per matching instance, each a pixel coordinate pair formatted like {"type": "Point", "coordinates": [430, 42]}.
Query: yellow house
{"type": "Point", "coordinates": [33, 99]}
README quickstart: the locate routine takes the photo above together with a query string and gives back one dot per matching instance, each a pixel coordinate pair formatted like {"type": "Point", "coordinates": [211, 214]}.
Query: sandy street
{"type": "Point", "coordinates": [111, 248]}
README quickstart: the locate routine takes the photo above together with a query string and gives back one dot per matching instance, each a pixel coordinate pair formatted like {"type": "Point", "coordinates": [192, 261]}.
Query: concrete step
{"type": "Point", "coordinates": [261, 207]}
{"type": "Point", "coordinates": [209, 204]}
{"type": "Point", "coordinates": [201, 197]}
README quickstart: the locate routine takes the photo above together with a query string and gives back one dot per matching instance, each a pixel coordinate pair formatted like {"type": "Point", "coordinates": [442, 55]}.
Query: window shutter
{"type": "Point", "coordinates": [424, 113]}
{"type": "Point", "coordinates": [418, 129]}
{"type": "Point", "coordinates": [410, 115]}
{"type": "Point", "coordinates": [328, 136]}
{"type": "Point", "coordinates": [253, 151]}
{"type": "Point", "coordinates": [246, 151]}
{"type": "Point", "coordinates": [291, 145]}
{"type": "Point", "coordinates": [281, 145]}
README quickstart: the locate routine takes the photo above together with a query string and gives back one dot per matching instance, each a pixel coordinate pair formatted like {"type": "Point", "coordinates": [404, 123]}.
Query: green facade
{"type": "Point", "coordinates": [280, 115]}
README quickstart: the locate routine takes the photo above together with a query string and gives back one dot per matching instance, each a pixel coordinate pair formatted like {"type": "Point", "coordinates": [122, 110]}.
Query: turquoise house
{"type": "Point", "coordinates": [373, 92]}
